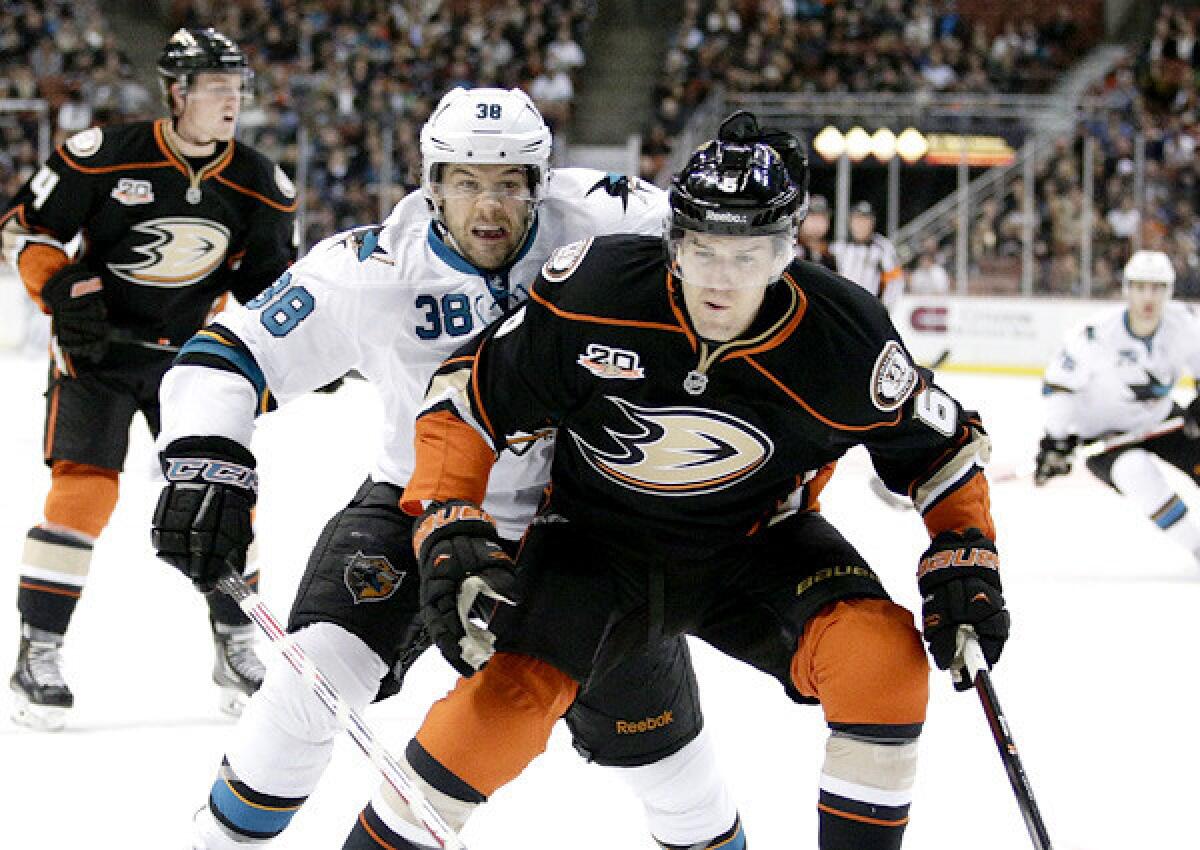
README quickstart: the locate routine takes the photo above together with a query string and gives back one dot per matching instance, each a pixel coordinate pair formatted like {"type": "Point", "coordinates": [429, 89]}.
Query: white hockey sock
{"type": "Point", "coordinates": [684, 796]}
{"type": "Point", "coordinates": [284, 739]}
{"type": "Point", "coordinates": [1141, 480]}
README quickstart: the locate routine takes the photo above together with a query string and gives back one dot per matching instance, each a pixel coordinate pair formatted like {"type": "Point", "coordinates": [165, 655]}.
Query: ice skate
{"type": "Point", "coordinates": [41, 696]}
{"type": "Point", "coordinates": [237, 670]}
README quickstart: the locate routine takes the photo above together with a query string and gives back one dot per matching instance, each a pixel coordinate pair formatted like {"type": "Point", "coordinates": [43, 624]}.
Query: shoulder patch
{"type": "Point", "coordinates": [564, 260]}
{"type": "Point", "coordinates": [284, 183]}
{"type": "Point", "coordinates": [86, 143]}
{"type": "Point", "coordinates": [893, 378]}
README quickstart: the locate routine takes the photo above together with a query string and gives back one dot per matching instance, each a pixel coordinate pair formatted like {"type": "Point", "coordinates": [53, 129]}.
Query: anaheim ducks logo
{"type": "Point", "coordinates": [181, 252]}
{"type": "Point", "coordinates": [678, 451]}
{"type": "Point", "coordinates": [371, 578]}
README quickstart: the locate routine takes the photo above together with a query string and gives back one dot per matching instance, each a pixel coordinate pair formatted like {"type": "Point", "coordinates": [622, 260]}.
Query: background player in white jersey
{"type": "Point", "coordinates": [392, 301]}
{"type": "Point", "coordinates": [1115, 377]}
{"type": "Point", "coordinates": [869, 258]}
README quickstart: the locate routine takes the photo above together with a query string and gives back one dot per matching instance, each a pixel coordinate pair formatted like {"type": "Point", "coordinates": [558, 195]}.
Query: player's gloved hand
{"type": "Point", "coordinates": [202, 521]}
{"type": "Point", "coordinates": [1191, 419]}
{"type": "Point", "coordinates": [959, 581]}
{"type": "Point", "coordinates": [1054, 457]}
{"type": "Point", "coordinates": [462, 566]}
{"type": "Point", "coordinates": [78, 317]}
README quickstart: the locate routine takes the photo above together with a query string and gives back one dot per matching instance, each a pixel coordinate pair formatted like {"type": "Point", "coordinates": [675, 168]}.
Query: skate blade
{"type": "Point", "coordinates": [42, 718]}
{"type": "Point", "coordinates": [232, 701]}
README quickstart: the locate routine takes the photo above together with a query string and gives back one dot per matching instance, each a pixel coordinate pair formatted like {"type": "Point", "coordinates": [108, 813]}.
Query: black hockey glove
{"type": "Point", "coordinates": [202, 521]}
{"type": "Point", "coordinates": [78, 317]}
{"type": "Point", "coordinates": [1191, 419]}
{"type": "Point", "coordinates": [959, 581]}
{"type": "Point", "coordinates": [462, 565]}
{"type": "Point", "coordinates": [1054, 457]}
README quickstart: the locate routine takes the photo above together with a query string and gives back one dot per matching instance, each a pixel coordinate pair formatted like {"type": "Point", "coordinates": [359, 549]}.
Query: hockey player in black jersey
{"type": "Point", "coordinates": [701, 402]}
{"type": "Point", "coordinates": [173, 214]}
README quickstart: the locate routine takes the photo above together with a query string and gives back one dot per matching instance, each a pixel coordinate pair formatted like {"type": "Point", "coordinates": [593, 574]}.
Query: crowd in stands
{"type": "Point", "coordinates": [1152, 94]}
{"type": "Point", "coordinates": [65, 53]}
{"type": "Point", "coordinates": [847, 47]}
{"type": "Point", "coordinates": [353, 70]}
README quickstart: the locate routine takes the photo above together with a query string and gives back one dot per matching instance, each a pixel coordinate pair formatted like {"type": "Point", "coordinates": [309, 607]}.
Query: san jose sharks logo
{"type": "Point", "coordinates": [371, 578]}
{"type": "Point", "coordinates": [677, 451]}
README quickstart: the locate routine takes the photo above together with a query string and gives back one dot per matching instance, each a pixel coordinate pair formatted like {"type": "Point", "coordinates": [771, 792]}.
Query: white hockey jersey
{"type": "Point", "coordinates": [391, 301]}
{"type": "Point", "coordinates": [1105, 380]}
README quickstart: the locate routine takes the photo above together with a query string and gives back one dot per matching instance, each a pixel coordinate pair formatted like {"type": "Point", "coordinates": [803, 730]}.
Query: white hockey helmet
{"type": "Point", "coordinates": [1149, 267]}
{"type": "Point", "coordinates": [486, 126]}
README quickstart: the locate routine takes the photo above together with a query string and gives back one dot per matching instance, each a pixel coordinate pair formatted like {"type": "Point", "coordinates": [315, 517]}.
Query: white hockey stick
{"type": "Point", "coordinates": [251, 603]}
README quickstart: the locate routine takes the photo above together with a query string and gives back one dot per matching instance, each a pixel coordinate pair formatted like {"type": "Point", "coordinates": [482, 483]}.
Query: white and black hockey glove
{"type": "Point", "coordinates": [463, 566]}
{"type": "Point", "coordinates": [202, 522]}
{"type": "Point", "coordinates": [959, 579]}
{"type": "Point", "coordinates": [1055, 456]}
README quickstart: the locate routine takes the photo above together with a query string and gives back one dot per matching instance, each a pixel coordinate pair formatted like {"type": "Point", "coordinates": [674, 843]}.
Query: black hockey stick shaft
{"type": "Point", "coordinates": [121, 336]}
{"type": "Point", "coordinates": [251, 603]}
{"type": "Point", "coordinates": [1002, 734]}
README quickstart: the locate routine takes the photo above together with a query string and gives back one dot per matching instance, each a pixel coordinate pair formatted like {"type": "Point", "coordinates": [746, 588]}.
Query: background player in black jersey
{"type": "Point", "coordinates": [174, 214]}
{"type": "Point", "coordinates": [701, 402]}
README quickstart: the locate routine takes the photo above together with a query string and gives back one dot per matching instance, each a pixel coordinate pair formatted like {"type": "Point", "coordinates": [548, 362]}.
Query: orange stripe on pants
{"type": "Point", "coordinates": [493, 724]}
{"type": "Point", "coordinates": [864, 660]}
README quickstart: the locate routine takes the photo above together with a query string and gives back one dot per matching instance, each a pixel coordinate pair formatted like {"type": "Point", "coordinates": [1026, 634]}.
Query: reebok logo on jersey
{"type": "Point", "coordinates": [371, 578]}
{"type": "Point", "coordinates": [676, 451]}
{"type": "Point", "coordinates": [132, 192]}
{"type": "Point", "coordinates": [605, 362]}
{"type": "Point", "coordinates": [637, 727]}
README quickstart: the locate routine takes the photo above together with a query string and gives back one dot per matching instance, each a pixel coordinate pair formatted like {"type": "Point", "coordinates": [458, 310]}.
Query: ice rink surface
{"type": "Point", "coordinates": [1098, 679]}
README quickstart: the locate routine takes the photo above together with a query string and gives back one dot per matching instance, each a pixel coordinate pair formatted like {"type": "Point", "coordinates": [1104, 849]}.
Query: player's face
{"type": "Point", "coordinates": [861, 227]}
{"type": "Point", "coordinates": [486, 208]}
{"type": "Point", "coordinates": [724, 280]}
{"type": "Point", "coordinates": [211, 107]}
{"type": "Point", "coordinates": [1146, 304]}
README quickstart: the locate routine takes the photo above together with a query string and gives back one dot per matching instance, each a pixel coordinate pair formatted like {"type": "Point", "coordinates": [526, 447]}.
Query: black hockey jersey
{"type": "Point", "coordinates": [166, 236]}
{"type": "Point", "coordinates": [691, 443]}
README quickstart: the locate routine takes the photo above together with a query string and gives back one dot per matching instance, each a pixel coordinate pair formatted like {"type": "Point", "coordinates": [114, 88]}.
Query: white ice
{"type": "Point", "coordinates": [1099, 679]}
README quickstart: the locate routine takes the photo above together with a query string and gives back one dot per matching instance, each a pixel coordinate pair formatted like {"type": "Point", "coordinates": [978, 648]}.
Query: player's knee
{"type": "Point", "coordinates": [864, 660]}
{"type": "Point", "coordinates": [493, 724]}
{"type": "Point", "coordinates": [82, 497]}
{"type": "Point", "coordinates": [343, 659]}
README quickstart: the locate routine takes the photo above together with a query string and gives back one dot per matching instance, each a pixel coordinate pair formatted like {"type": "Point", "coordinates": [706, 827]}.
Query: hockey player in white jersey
{"type": "Point", "coordinates": [1115, 376]}
{"type": "Point", "coordinates": [392, 301]}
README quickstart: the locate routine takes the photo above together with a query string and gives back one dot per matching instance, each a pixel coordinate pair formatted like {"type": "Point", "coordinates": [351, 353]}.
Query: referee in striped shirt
{"type": "Point", "coordinates": [870, 258]}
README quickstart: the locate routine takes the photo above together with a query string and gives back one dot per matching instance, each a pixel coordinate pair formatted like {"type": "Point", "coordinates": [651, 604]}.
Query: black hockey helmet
{"type": "Point", "coordinates": [193, 50]}
{"type": "Point", "coordinates": [746, 182]}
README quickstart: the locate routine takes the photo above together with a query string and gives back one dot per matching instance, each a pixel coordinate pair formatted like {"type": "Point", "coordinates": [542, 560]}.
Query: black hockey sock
{"type": "Point", "coordinates": [371, 833]}
{"type": "Point", "coordinates": [54, 568]}
{"type": "Point", "coordinates": [845, 823]}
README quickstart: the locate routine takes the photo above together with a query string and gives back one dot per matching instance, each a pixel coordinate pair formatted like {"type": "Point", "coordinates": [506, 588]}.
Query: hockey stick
{"type": "Point", "coordinates": [977, 666]}
{"type": "Point", "coordinates": [1099, 447]}
{"type": "Point", "coordinates": [251, 603]}
{"type": "Point", "coordinates": [121, 336]}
